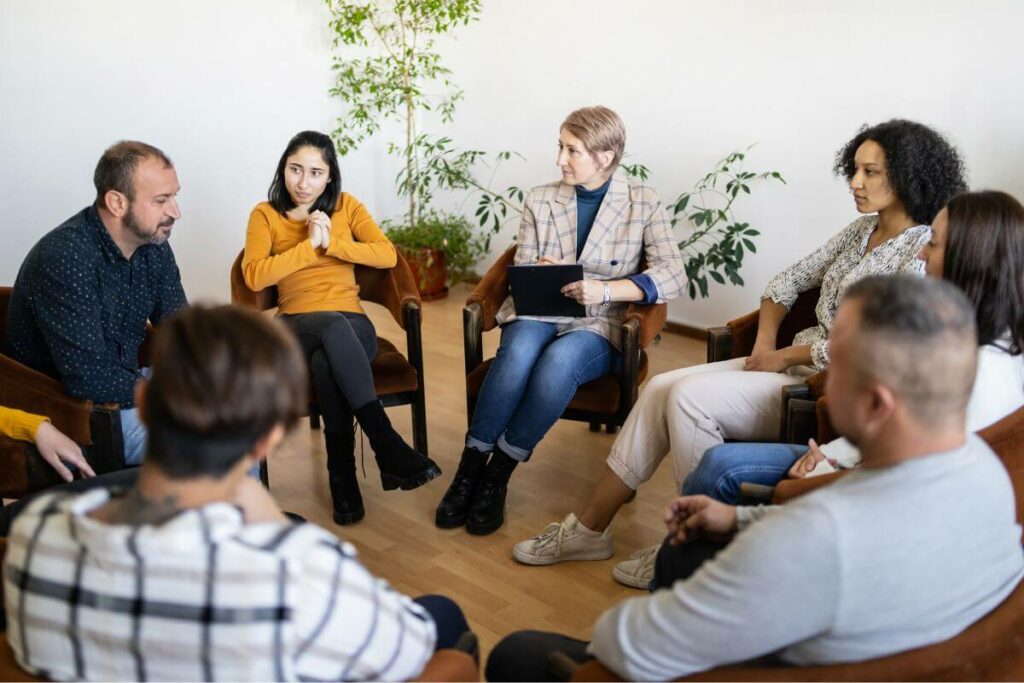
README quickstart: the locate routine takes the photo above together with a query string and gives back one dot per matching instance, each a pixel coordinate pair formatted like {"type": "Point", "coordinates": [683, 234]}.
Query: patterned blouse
{"type": "Point", "coordinates": [836, 265]}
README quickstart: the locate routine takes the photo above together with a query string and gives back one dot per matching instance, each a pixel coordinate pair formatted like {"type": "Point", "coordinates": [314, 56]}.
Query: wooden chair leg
{"type": "Point", "coordinates": [611, 428]}
{"type": "Point", "coordinates": [595, 426]}
{"type": "Point", "coordinates": [314, 418]}
{"type": "Point", "coordinates": [419, 427]}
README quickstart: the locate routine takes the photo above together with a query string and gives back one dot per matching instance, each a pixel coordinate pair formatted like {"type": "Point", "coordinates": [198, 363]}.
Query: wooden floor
{"type": "Point", "coordinates": [398, 540]}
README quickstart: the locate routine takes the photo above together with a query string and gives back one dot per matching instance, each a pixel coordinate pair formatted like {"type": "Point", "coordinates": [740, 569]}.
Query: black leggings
{"type": "Point", "coordinates": [339, 347]}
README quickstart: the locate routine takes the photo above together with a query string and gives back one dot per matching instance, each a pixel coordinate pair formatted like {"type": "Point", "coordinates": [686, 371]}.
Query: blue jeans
{"type": "Point", "coordinates": [532, 379]}
{"type": "Point", "coordinates": [133, 432]}
{"type": "Point", "coordinates": [723, 468]}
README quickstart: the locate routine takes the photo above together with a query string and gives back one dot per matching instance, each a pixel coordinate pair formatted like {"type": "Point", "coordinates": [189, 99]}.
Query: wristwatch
{"type": "Point", "coordinates": [607, 295]}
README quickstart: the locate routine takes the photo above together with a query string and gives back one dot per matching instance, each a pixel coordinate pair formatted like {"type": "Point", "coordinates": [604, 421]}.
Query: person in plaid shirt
{"type": "Point", "coordinates": [194, 573]}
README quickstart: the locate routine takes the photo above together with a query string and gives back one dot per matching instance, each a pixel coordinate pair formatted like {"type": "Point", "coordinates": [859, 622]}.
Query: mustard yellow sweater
{"type": "Point", "coordinates": [278, 252]}
{"type": "Point", "coordinates": [19, 425]}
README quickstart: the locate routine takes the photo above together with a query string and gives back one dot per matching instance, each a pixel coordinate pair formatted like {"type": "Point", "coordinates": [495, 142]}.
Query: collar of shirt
{"type": "Point", "coordinates": [107, 244]}
{"type": "Point", "coordinates": [184, 532]}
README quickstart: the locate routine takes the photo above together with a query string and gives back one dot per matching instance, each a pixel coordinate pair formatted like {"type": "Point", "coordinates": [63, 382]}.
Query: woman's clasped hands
{"type": "Point", "coordinates": [319, 224]}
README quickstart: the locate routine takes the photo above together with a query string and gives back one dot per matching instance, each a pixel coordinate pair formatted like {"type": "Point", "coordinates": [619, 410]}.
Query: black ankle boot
{"type": "Point", "coordinates": [400, 465]}
{"type": "Point", "coordinates": [341, 474]}
{"type": "Point", "coordinates": [487, 511]}
{"type": "Point", "coordinates": [451, 512]}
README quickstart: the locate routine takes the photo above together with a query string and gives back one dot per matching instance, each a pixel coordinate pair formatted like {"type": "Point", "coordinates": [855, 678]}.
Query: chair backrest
{"type": "Point", "coordinates": [5, 302]}
{"type": "Point", "coordinates": [800, 317]}
{"type": "Point", "coordinates": [492, 289]}
{"type": "Point", "coordinates": [1006, 437]}
{"type": "Point", "coordinates": [389, 287]}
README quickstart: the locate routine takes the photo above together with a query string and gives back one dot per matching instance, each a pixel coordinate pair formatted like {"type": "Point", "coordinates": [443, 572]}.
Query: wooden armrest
{"type": "Point", "coordinates": [492, 290]}
{"type": "Point", "coordinates": [816, 384]}
{"type": "Point", "coordinates": [23, 388]}
{"type": "Point", "coordinates": [788, 489]}
{"type": "Point", "coordinates": [651, 318]}
{"type": "Point", "coordinates": [719, 343]}
{"type": "Point", "coordinates": [756, 494]}
{"type": "Point", "coordinates": [450, 665]}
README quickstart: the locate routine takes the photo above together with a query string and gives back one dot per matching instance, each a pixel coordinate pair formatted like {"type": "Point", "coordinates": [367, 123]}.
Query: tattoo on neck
{"type": "Point", "coordinates": [136, 509]}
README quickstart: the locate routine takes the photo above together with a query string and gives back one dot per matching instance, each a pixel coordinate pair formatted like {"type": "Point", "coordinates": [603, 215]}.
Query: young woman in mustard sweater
{"type": "Point", "coordinates": [306, 240]}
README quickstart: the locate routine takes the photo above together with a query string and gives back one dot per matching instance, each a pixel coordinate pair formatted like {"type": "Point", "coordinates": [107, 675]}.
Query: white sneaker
{"type": "Point", "coordinates": [565, 540]}
{"type": "Point", "coordinates": [638, 570]}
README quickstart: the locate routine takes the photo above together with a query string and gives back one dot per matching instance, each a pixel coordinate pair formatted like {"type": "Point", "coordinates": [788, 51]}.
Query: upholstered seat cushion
{"type": "Point", "coordinates": [392, 371]}
{"type": "Point", "coordinates": [599, 396]}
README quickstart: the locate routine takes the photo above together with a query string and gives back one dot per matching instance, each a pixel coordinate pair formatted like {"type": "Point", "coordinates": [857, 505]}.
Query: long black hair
{"type": "Point", "coordinates": [328, 201]}
{"type": "Point", "coordinates": [985, 258]}
{"type": "Point", "coordinates": [924, 168]}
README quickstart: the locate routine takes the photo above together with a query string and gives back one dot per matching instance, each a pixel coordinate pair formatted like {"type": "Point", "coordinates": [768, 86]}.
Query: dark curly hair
{"type": "Point", "coordinates": [924, 169]}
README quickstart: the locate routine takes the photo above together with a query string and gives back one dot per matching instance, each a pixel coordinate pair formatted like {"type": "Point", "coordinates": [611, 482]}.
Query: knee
{"type": "Point", "coordinates": [448, 617]}
{"type": "Point", "coordinates": [511, 658]}
{"type": "Point", "coordinates": [685, 394]}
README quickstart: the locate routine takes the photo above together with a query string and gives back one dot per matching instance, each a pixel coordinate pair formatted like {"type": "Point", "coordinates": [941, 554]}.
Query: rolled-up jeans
{"type": "Point", "coordinates": [533, 378]}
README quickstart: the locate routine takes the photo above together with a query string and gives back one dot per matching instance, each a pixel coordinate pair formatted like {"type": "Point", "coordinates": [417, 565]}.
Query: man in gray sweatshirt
{"type": "Point", "coordinates": [909, 550]}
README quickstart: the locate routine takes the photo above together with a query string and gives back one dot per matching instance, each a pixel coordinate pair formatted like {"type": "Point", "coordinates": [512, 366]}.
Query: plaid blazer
{"type": "Point", "coordinates": [630, 229]}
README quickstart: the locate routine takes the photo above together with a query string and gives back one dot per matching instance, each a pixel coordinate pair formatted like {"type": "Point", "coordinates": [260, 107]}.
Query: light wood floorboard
{"type": "Point", "coordinates": [398, 540]}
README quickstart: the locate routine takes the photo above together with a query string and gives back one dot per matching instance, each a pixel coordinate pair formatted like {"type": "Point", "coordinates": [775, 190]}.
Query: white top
{"type": "Point", "coordinates": [836, 265]}
{"type": "Point", "coordinates": [882, 561]}
{"type": "Point", "coordinates": [203, 596]}
{"type": "Point", "coordinates": [998, 391]}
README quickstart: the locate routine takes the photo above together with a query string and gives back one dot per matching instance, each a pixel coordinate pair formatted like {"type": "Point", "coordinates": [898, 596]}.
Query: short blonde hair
{"type": "Point", "coordinates": [600, 129]}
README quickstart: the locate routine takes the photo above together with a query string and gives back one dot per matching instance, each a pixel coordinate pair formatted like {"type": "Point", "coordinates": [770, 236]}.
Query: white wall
{"type": "Point", "coordinates": [222, 85]}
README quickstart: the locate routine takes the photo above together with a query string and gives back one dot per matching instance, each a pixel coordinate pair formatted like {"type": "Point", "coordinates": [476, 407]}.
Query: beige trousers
{"type": "Point", "coordinates": [684, 412]}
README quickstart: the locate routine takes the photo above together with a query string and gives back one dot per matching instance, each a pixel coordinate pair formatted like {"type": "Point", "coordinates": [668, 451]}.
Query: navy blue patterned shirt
{"type": "Point", "coordinates": [79, 308]}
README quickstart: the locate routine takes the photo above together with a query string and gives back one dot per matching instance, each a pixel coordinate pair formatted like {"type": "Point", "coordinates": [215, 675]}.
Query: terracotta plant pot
{"type": "Point", "coordinates": [429, 270]}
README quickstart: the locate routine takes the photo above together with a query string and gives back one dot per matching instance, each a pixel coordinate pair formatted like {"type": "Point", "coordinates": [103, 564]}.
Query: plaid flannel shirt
{"type": "Point", "coordinates": [203, 596]}
{"type": "Point", "coordinates": [630, 228]}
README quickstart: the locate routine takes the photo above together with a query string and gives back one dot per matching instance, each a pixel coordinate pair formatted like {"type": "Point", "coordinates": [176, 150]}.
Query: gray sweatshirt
{"type": "Point", "coordinates": [882, 561]}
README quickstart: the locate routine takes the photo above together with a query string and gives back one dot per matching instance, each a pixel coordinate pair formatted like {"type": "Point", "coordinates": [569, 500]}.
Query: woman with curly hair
{"type": "Point", "coordinates": [901, 173]}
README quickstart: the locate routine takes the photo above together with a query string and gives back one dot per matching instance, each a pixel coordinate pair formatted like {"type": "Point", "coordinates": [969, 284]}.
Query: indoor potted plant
{"type": "Point", "coordinates": [441, 249]}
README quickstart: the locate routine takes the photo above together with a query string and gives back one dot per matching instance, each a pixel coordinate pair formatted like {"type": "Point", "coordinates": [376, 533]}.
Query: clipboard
{"type": "Point", "coordinates": [537, 290]}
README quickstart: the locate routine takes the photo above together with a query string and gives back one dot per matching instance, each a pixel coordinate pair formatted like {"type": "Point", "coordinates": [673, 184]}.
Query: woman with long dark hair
{"type": "Point", "coordinates": [307, 239]}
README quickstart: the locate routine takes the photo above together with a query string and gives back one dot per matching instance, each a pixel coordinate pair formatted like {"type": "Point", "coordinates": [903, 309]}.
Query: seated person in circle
{"type": "Point", "coordinates": [606, 223]}
{"type": "Point", "coordinates": [85, 292]}
{"type": "Point", "coordinates": [194, 573]}
{"type": "Point", "coordinates": [977, 244]}
{"type": "Point", "coordinates": [307, 239]}
{"type": "Point", "coordinates": [900, 173]}
{"type": "Point", "coordinates": [907, 551]}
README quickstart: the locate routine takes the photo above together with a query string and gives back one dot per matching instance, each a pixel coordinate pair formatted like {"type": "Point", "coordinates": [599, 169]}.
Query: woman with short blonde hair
{"type": "Point", "coordinates": [609, 225]}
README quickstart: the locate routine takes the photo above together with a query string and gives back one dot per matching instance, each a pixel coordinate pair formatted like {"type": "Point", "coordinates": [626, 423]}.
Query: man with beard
{"type": "Point", "coordinates": [86, 290]}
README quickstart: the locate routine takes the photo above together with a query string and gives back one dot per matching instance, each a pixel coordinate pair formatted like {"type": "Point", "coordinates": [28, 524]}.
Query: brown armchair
{"type": "Point", "coordinates": [606, 400]}
{"type": "Point", "coordinates": [736, 339]}
{"type": "Point", "coordinates": [990, 650]}
{"type": "Point", "coordinates": [94, 426]}
{"type": "Point", "coordinates": [397, 379]}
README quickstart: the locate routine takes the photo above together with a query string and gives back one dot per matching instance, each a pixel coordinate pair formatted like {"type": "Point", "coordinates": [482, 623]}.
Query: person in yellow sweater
{"type": "Point", "coordinates": [306, 240]}
{"type": "Point", "coordinates": [53, 445]}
